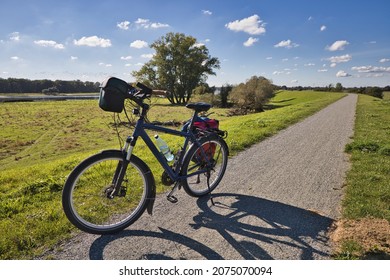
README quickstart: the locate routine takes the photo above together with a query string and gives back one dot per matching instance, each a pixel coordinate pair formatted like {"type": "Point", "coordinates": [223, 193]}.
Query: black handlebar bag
{"type": "Point", "coordinates": [113, 92]}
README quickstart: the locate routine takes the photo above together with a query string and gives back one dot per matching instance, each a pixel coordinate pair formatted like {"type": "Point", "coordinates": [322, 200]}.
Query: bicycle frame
{"type": "Point", "coordinates": [140, 131]}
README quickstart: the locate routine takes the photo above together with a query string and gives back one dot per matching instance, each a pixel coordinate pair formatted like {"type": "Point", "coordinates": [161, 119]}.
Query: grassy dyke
{"type": "Point", "coordinates": [365, 230]}
{"type": "Point", "coordinates": [368, 194]}
{"type": "Point", "coordinates": [42, 142]}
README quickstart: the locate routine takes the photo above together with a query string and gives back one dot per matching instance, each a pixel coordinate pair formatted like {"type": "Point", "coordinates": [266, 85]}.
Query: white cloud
{"type": "Point", "coordinates": [124, 25]}
{"type": "Point", "coordinates": [250, 42]}
{"type": "Point", "coordinates": [146, 23]}
{"type": "Point", "coordinates": [268, 58]}
{"type": "Point", "coordinates": [251, 25]}
{"type": "Point", "coordinates": [277, 72]}
{"type": "Point", "coordinates": [126, 57]}
{"type": "Point", "coordinates": [147, 55]}
{"type": "Point", "coordinates": [383, 60]}
{"type": "Point", "coordinates": [198, 45]}
{"type": "Point", "coordinates": [93, 41]}
{"type": "Point", "coordinates": [286, 44]}
{"type": "Point", "coordinates": [142, 21]}
{"type": "Point", "coordinates": [323, 28]}
{"type": "Point", "coordinates": [294, 81]}
{"type": "Point", "coordinates": [342, 74]}
{"type": "Point", "coordinates": [49, 43]}
{"type": "Point", "coordinates": [156, 25]}
{"type": "Point", "coordinates": [310, 18]}
{"type": "Point", "coordinates": [337, 46]}
{"type": "Point", "coordinates": [207, 12]}
{"type": "Point", "coordinates": [322, 70]}
{"type": "Point", "coordinates": [74, 58]}
{"type": "Point", "coordinates": [14, 36]}
{"type": "Point", "coordinates": [309, 64]}
{"type": "Point", "coordinates": [105, 64]}
{"type": "Point", "coordinates": [339, 59]}
{"type": "Point", "coordinates": [371, 69]}
{"type": "Point", "coordinates": [15, 57]}
{"type": "Point", "coordinates": [139, 44]}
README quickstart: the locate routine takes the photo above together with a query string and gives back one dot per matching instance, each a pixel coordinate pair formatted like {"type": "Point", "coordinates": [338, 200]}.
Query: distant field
{"type": "Point", "coordinates": [41, 142]}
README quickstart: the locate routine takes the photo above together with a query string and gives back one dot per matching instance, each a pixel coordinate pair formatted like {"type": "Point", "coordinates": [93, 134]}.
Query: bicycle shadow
{"type": "Point", "coordinates": [272, 222]}
{"type": "Point", "coordinates": [97, 248]}
{"type": "Point", "coordinates": [249, 224]}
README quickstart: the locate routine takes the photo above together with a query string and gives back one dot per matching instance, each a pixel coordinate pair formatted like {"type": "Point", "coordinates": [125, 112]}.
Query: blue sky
{"type": "Point", "coordinates": [302, 42]}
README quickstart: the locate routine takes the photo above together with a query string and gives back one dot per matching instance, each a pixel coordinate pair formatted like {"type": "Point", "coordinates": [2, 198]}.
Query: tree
{"type": "Point", "coordinates": [179, 65]}
{"type": "Point", "coordinates": [224, 94]}
{"type": "Point", "coordinates": [339, 87]}
{"type": "Point", "coordinates": [252, 95]}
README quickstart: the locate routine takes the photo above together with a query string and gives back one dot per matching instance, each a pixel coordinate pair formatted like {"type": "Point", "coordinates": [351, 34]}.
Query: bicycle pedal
{"type": "Point", "coordinates": [172, 199]}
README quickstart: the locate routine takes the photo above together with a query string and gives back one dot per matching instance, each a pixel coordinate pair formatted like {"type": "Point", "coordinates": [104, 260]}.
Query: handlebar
{"type": "Point", "coordinates": [144, 88]}
{"type": "Point", "coordinates": [143, 93]}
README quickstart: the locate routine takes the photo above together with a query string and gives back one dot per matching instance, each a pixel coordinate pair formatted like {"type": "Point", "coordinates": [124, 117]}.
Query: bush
{"type": "Point", "coordinates": [207, 97]}
{"type": "Point", "coordinates": [374, 91]}
{"type": "Point", "coordinates": [252, 95]}
{"type": "Point", "coordinates": [50, 91]}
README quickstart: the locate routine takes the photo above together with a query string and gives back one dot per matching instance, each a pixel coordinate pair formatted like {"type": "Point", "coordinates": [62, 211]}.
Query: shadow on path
{"type": "Point", "coordinates": [249, 224]}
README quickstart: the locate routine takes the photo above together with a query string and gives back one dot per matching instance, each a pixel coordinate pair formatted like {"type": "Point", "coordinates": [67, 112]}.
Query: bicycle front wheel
{"type": "Point", "coordinates": [87, 196]}
{"type": "Point", "coordinates": [204, 165]}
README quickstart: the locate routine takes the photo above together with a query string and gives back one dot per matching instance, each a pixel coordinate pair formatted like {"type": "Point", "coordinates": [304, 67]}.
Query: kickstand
{"type": "Point", "coordinates": [212, 200]}
{"type": "Point", "coordinates": [208, 185]}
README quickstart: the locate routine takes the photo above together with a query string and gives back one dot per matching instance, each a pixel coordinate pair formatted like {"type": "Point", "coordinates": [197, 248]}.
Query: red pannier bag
{"type": "Point", "coordinates": [209, 148]}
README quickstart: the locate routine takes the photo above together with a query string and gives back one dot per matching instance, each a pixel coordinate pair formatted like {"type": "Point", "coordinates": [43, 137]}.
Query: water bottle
{"type": "Point", "coordinates": [163, 146]}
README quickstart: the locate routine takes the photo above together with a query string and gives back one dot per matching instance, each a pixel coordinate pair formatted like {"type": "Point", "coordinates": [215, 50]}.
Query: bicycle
{"type": "Point", "coordinates": [109, 191]}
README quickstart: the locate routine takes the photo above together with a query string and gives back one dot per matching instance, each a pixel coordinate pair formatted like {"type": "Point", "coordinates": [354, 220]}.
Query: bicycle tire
{"type": "Point", "coordinates": [85, 200]}
{"type": "Point", "coordinates": [217, 152]}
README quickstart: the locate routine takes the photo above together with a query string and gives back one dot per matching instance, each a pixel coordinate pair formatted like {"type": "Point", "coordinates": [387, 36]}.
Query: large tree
{"type": "Point", "coordinates": [179, 65]}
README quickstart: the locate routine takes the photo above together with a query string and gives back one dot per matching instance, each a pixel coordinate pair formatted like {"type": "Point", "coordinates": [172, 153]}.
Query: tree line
{"type": "Point", "coordinates": [370, 90]}
{"type": "Point", "coordinates": [17, 85]}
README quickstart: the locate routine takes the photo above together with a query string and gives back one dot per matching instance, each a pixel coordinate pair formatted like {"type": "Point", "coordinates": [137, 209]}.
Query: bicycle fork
{"type": "Point", "coordinates": [117, 188]}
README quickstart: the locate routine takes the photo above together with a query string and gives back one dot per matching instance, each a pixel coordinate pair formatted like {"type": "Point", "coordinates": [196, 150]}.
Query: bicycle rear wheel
{"type": "Point", "coordinates": [86, 196]}
{"type": "Point", "coordinates": [205, 164]}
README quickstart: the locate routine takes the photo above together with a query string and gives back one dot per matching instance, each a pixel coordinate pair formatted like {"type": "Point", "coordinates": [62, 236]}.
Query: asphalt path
{"type": "Point", "coordinates": [277, 200]}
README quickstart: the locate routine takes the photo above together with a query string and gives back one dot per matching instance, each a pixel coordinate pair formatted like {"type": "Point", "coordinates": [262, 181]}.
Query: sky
{"type": "Point", "coordinates": [292, 43]}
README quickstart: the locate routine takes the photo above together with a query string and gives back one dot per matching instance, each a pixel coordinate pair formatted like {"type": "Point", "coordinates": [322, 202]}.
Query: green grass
{"type": "Point", "coordinates": [367, 196]}
{"type": "Point", "coordinates": [368, 192]}
{"type": "Point", "coordinates": [41, 142]}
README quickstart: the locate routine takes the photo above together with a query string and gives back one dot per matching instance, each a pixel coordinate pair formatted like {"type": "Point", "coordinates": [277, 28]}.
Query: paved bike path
{"type": "Point", "coordinates": [277, 200]}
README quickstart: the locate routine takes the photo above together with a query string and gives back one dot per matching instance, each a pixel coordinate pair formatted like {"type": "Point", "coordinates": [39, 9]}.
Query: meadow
{"type": "Point", "coordinates": [365, 226]}
{"type": "Point", "coordinates": [41, 142]}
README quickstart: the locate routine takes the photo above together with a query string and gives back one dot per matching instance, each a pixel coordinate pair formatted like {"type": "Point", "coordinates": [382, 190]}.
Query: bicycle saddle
{"type": "Point", "coordinates": [199, 106]}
